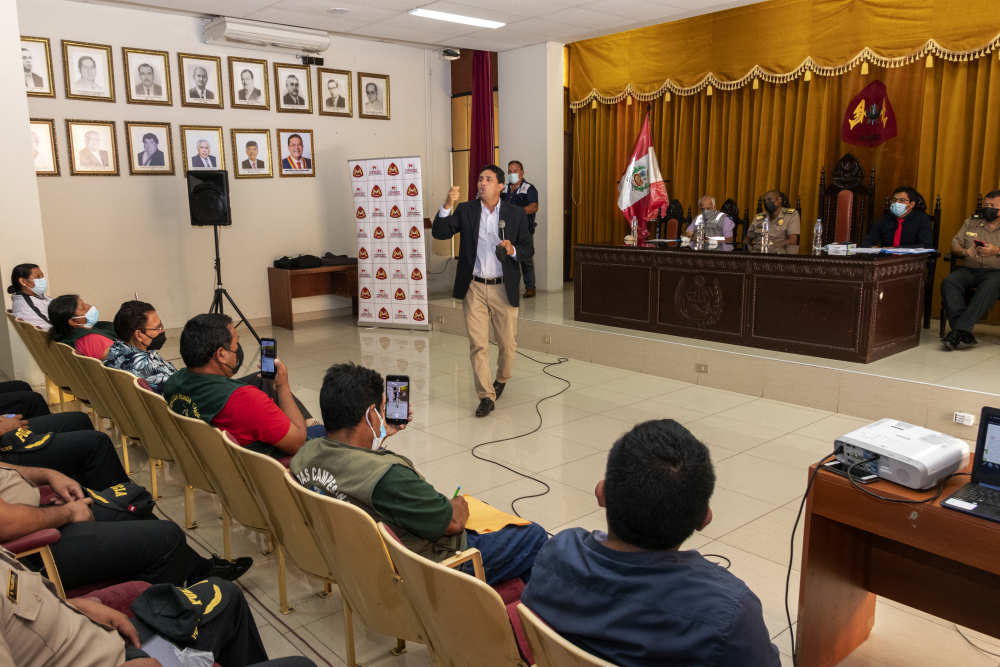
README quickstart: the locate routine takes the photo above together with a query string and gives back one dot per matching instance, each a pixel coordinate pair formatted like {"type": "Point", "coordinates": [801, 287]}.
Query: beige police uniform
{"type": "Point", "coordinates": [16, 490]}
{"type": "Point", "coordinates": [976, 228]}
{"type": "Point", "coordinates": [786, 224]}
{"type": "Point", "coordinates": [37, 629]}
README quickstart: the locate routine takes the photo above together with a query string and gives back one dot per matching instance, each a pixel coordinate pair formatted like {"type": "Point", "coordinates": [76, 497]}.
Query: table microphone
{"type": "Point", "coordinates": [500, 250]}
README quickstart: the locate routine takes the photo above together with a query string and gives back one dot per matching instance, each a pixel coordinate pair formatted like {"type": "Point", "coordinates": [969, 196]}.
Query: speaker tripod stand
{"type": "Point", "coordinates": [220, 292]}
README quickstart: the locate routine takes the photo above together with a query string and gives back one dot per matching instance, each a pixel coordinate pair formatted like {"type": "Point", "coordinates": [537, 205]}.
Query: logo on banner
{"type": "Point", "coordinates": [869, 119]}
{"type": "Point", "coordinates": [417, 295]}
{"type": "Point", "coordinates": [361, 215]}
{"type": "Point", "coordinates": [394, 191]}
{"type": "Point", "coordinates": [383, 314]}
{"type": "Point", "coordinates": [415, 253]}
{"type": "Point", "coordinates": [381, 295]}
{"type": "Point", "coordinates": [362, 254]}
{"type": "Point", "coordinates": [400, 294]}
{"type": "Point", "coordinates": [411, 169]}
{"type": "Point", "coordinates": [412, 190]}
{"type": "Point", "coordinates": [378, 234]}
{"type": "Point", "coordinates": [418, 316]}
{"type": "Point", "coordinates": [393, 170]}
{"type": "Point", "coordinates": [358, 171]}
{"type": "Point", "coordinates": [412, 212]}
{"type": "Point", "coordinates": [376, 191]}
{"type": "Point", "coordinates": [416, 275]}
{"type": "Point", "coordinates": [394, 212]}
{"type": "Point", "coordinates": [374, 170]}
{"type": "Point", "coordinates": [397, 274]}
{"type": "Point", "coordinates": [380, 274]}
{"type": "Point", "coordinates": [359, 192]}
{"type": "Point", "coordinates": [377, 211]}
{"type": "Point", "coordinates": [365, 294]}
{"type": "Point", "coordinates": [414, 232]}
{"type": "Point", "coordinates": [363, 272]}
{"type": "Point", "coordinates": [395, 232]}
{"type": "Point", "coordinates": [366, 313]}
{"type": "Point", "coordinates": [397, 254]}
{"type": "Point", "coordinates": [379, 253]}
{"type": "Point", "coordinates": [401, 314]}
{"type": "Point", "coordinates": [362, 233]}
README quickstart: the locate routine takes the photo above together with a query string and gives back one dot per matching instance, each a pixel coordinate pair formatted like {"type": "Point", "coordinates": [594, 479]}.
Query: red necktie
{"type": "Point", "coordinates": [899, 232]}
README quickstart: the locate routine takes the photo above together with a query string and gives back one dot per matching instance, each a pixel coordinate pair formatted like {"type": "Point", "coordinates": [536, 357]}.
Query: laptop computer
{"type": "Point", "coordinates": [981, 496]}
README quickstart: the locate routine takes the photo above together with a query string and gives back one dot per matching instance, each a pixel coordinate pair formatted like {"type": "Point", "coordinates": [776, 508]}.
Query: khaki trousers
{"type": "Point", "coordinates": [484, 305]}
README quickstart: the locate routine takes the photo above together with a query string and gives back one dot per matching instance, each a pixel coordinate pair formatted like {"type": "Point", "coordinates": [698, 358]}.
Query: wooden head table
{"type": "Point", "coordinates": [857, 308]}
{"type": "Point", "coordinates": [287, 284]}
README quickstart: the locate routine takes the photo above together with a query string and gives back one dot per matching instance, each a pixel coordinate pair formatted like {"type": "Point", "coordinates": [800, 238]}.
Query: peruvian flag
{"type": "Point", "coordinates": [641, 191]}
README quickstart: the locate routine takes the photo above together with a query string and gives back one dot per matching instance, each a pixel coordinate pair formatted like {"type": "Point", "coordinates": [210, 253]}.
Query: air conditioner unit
{"type": "Point", "coordinates": [242, 34]}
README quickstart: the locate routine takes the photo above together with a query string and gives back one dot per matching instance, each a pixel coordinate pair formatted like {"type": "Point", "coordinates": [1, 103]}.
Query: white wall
{"type": "Point", "coordinates": [109, 237]}
{"type": "Point", "coordinates": [531, 131]}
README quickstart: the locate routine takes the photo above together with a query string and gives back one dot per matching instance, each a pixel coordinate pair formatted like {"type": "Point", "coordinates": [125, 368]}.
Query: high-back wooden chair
{"type": "Point", "coordinates": [671, 222]}
{"type": "Point", "coordinates": [350, 541]}
{"type": "Point", "coordinates": [730, 208]}
{"type": "Point", "coordinates": [846, 205]}
{"type": "Point", "coordinates": [465, 619]}
{"type": "Point", "coordinates": [549, 648]}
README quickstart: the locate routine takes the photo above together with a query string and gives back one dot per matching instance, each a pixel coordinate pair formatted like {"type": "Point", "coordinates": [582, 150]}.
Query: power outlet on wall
{"type": "Point", "coordinates": [547, 340]}
{"type": "Point", "coordinates": [440, 320]}
{"type": "Point", "coordinates": [701, 368]}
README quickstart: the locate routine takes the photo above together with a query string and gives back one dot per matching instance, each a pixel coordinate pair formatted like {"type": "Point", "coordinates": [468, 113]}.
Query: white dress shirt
{"type": "Point", "coordinates": [487, 265]}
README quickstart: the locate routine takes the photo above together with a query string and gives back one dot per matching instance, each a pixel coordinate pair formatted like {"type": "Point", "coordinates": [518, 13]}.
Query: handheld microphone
{"type": "Point", "coordinates": [500, 250]}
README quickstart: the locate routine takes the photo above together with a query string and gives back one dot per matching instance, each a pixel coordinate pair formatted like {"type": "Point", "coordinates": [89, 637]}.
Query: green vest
{"type": "Point", "coordinates": [331, 468]}
{"type": "Point", "coordinates": [198, 395]}
{"type": "Point", "coordinates": [101, 329]}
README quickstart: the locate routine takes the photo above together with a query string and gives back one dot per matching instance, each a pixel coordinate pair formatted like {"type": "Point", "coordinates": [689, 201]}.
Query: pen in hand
{"type": "Point", "coordinates": [456, 493]}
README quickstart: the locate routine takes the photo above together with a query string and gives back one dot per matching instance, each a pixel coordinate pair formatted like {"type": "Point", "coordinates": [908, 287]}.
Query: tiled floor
{"type": "Point", "coordinates": [761, 449]}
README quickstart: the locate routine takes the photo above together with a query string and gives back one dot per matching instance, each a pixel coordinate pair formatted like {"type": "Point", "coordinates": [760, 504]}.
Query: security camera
{"type": "Point", "coordinates": [450, 54]}
{"type": "Point", "coordinates": [311, 60]}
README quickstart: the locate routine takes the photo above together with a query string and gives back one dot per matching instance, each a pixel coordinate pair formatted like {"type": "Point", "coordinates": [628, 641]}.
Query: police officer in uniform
{"type": "Point", "coordinates": [783, 232]}
{"type": "Point", "coordinates": [522, 193]}
{"type": "Point", "coordinates": [980, 269]}
{"type": "Point", "coordinates": [716, 223]}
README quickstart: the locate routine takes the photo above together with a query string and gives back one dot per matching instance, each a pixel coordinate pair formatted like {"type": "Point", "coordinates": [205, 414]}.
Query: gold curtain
{"type": "Point", "coordinates": [742, 142]}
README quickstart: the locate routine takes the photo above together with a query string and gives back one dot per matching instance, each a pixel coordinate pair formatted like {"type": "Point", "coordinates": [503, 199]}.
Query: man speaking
{"type": "Point", "coordinates": [495, 236]}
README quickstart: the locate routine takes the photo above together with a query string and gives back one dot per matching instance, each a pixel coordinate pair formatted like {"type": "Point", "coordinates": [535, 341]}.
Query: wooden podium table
{"type": "Point", "coordinates": [287, 284]}
{"type": "Point", "coordinates": [855, 547]}
{"type": "Point", "coordinates": [857, 308]}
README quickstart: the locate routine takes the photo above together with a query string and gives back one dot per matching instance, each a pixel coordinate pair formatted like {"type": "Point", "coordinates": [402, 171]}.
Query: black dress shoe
{"type": "Point", "coordinates": [498, 388]}
{"type": "Point", "coordinates": [966, 339]}
{"type": "Point", "coordinates": [950, 340]}
{"type": "Point", "coordinates": [230, 570]}
{"type": "Point", "coordinates": [485, 407]}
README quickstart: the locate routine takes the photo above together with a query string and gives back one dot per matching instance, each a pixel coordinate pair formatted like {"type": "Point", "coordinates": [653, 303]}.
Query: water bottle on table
{"type": "Point", "coordinates": [818, 237]}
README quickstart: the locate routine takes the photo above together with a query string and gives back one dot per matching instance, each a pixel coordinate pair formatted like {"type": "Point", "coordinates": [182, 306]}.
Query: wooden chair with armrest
{"type": "Point", "coordinates": [549, 648]}
{"type": "Point", "coordinates": [730, 208]}
{"type": "Point", "coordinates": [38, 543]}
{"type": "Point", "coordinates": [953, 261]}
{"type": "Point", "coordinates": [466, 620]}
{"type": "Point", "coordinates": [846, 205]}
{"type": "Point", "coordinates": [671, 222]}
{"type": "Point", "coordinates": [351, 543]}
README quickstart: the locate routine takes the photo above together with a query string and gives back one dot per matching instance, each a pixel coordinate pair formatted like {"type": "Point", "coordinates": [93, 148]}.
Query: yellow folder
{"type": "Point", "coordinates": [486, 519]}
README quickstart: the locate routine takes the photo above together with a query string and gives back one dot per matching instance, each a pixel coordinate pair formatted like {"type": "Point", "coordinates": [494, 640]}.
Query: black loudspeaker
{"type": "Point", "coordinates": [208, 198]}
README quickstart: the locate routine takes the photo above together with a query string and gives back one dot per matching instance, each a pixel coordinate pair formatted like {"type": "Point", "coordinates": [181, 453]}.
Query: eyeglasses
{"type": "Point", "coordinates": [900, 201]}
{"type": "Point", "coordinates": [159, 328]}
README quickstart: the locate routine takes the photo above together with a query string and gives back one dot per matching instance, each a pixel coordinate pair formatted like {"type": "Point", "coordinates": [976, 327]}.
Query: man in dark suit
{"type": "Point", "coordinates": [295, 159]}
{"type": "Point", "coordinates": [31, 80]}
{"type": "Point", "coordinates": [487, 284]}
{"type": "Point", "coordinates": [203, 160]}
{"type": "Point", "coordinates": [292, 96]}
{"type": "Point", "coordinates": [249, 93]}
{"type": "Point", "coordinates": [252, 163]}
{"type": "Point", "coordinates": [146, 86]}
{"type": "Point", "coordinates": [336, 100]}
{"type": "Point", "coordinates": [91, 154]}
{"type": "Point", "coordinates": [152, 156]}
{"type": "Point", "coordinates": [200, 90]}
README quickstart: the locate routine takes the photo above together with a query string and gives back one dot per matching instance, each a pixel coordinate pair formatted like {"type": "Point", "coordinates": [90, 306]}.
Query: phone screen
{"type": "Point", "coordinates": [397, 398]}
{"type": "Point", "coordinates": [268, 352]}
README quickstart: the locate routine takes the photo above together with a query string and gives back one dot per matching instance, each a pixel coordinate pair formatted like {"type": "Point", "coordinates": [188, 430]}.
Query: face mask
{"type": "Point", "coordinates": [706, 213]}
{"type": "Point", "coordinates": [770, 206]}
{"type": "Point", "coordinates": [91, 316]}
{"type": "Point", "coordinates": [157, 342]}
{"type": "Point", "coordinates": [991, 214]}
{"type": "Point", "coordinates": [377, 439]}
{"type": "Point", "coordinates": [512, 179]}
{"type": "Point", "coordinates": [239, 356]}
{"type": "Point", "coordinates": [898, 209]}
{"type": "Point", "coordinates": [39, 288]}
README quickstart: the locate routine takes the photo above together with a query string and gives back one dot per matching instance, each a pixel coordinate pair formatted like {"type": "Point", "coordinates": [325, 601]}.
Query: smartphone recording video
{"type": "Point", "coordinates": [397, 398]}
{"type": "Point", "coordinates": [268, 353]}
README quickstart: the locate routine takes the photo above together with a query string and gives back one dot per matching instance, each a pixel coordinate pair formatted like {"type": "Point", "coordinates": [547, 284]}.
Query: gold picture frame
{"type": "Point", "coordinates": [282, 71]}
{"type": "Point", "coordinates": [135, 87]}
{"type": "Point", "coordinates": [189, 147]}
{"type": "Point", "coordinates": [49, 166]}
{"type": "Point", "coordinates": [164, 141]}
{"type": "Point", "coordinates": [308, 157]}
{"type": "Point", "coordinates": [261, 90]}
{"type": "Point", "coordinates": [323, 76]}
{"type": "Point", "coordinates": [186, 74]}
{"type": "Point", "coordinates": [36, 90]}
{"type": "Point", "coordinates": [83, 155]}
{"type": "Point", "coordinates": [363, 95]}
{"type": "Point", "coordinates": [92, 83]}
{"type": "Point", "coordinates": [241, 168]}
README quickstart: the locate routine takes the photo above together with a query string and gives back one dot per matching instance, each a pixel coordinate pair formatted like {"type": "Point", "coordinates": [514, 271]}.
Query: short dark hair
{"type": "Point", "coordinates": [150, 135]}
{"type": "Point", "coordinates": [130, 317]}
{"type": "Point", "coordinates": [202, 336]}
{"type": "Point", "coordinates": [992, 194]}
{"type": "Point", "coordinates": [141, 65]}
{"type": "Point", "coordinates": [294, 136]}
{"type": "Point", "coordinates": [20, 271]}
{"type": "Point", "coordinates": [61, 311]}
{"type": "Point", "coordinates": [911, 194]}
{"type": "Point", "coordinates": [79, 63]}
{"type": "Point", "coordinates": [517, 162]}
{"type": "Point", "coordinates": [497, 171]}
{"type": "Point", "coordinates": [658, 482]}
{"type": "Point", "coordinates": [251, 143]}
{"type": "Point", "coordinates": [347, 392]}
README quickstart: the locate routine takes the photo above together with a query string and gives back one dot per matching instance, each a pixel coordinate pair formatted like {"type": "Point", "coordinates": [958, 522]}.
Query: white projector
{"type": "Point", "coordinates": [913, 456]}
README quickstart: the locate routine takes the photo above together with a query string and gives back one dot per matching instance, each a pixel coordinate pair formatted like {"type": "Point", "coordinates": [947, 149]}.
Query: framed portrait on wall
{"type": "Point", "coordinates": [147, 76]}
{"type": "Point", "coordinates": [334, 87]}
{"type": "Point", "coordinates": [252, 153]}
{"type": "Point", "coordinates": [201, 80]}
{"type": "Point", "coordinates": [93, 147]}
{"type": "Point", "coordinates": [373, 96]}
{"type": "Point", "coordinates": [43, 143]}
{"type": "Point", "coordinates": [201, 148]}
{"type": "Point", "coordinates": [36, 58]}
{"type": "Point", "coordinates": [297, 155]}
{"type": "Point", "coordinates": [292, 92]}
{"type": "Point", "coordinates": [150, 148]}
{"type": "Point", "coordinates": [88, 71]}
{"type": "Point", "coordinates": [248, 84]}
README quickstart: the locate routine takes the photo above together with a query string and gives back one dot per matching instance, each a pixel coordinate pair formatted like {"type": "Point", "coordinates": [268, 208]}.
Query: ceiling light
{"type": "Point", "coordinates": [456, 18]}
{"type": "Point", "coordinates": [338, 10]}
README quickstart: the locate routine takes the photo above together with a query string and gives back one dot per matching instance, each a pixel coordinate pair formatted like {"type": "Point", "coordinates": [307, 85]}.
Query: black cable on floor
{"type": "Point", "coordinates": [974, 645]}
{"type": "Point", "coordinates": [443, 269]}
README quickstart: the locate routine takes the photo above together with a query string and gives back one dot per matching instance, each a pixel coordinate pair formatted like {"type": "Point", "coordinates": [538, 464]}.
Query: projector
{"type": "Point", "coordinates": [912, 456]}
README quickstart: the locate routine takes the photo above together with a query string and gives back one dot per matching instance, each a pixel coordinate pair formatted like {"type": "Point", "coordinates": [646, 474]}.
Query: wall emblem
{"type": "Point", "coordinates": [697, 303]}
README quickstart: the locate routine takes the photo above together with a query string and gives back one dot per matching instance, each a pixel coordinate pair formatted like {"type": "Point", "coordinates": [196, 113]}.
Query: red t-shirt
{"type": "Point", "coordinates": [93, 345]}
{"type": "Point", "coordinates": [250, 415]}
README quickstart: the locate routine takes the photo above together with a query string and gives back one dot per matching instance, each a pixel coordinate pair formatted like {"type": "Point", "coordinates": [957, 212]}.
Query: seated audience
{"type": "Point", "coordinates": [17, 397]}
{"type": "Point", "coordinates": [630, 595]}
{"type": "Point", "coordinates": [350, 464]}
{"type": "Point", "coordinates": [27, 284]}
{"type": "Point", "coordinates": [140, 335]}
{"type": "Point", "coordinates": [95, 635]}
{"type": "Point", "coordinates": [980, 269]}
{"type": "Point", "coordinates": [206, 390]}
{"type": "Point", "coordinates": [75, 323]}
{"type": "Point", "coordinates": [902, 226]}
{"type": "Point", "coordinates": [90, 552]}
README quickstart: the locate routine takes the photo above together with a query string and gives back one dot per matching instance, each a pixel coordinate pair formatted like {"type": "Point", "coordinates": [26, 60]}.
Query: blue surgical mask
{"type": "Point", "coordinates": [512, 179]}
{"type": "Point", "coordinates": [377, 441]}
{"type": "Point", "coordinates": [91, 316]}
{"type": "Point", "coordinates": [898, 209]}
{"type": "Point", "coordinates": [39, 288]}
